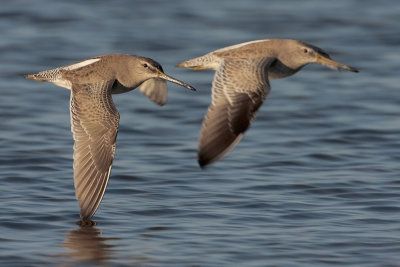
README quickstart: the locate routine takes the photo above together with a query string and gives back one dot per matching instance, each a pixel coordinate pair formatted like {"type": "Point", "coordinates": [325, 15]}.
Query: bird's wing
{"type": "Point", "coordinates": [155, 89]}
{"type": "Point", "coordinates": [94, 124]}
{"type": "Point", "coordinates": [238, 90]}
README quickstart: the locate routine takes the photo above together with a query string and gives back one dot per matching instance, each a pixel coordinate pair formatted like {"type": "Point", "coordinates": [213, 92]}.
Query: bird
{"type": "Point", "coordinates": [94, 117]}
{"type": "Point", "coordinates": [241, 84]}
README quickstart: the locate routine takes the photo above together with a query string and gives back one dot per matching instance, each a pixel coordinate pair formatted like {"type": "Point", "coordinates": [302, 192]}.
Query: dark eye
{"type": "Point", "coordinates": [145, 65]}
{"type": "Point", "coordinates": [305, 50]}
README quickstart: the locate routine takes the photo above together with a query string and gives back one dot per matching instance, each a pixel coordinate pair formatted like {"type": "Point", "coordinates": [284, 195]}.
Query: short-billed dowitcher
{"type": "Point", "coordinates": [241, 83]}
{"type": "Point", "coordinates": [94, 117]}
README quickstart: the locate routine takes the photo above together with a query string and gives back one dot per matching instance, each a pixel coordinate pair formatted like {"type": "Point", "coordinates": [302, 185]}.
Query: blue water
{"type": "Point", "coordinates": [315, 181]}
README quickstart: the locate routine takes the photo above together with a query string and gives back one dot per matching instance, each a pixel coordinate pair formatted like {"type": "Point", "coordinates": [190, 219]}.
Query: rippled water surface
{"type": "Point", "coordinates": [315, 181]}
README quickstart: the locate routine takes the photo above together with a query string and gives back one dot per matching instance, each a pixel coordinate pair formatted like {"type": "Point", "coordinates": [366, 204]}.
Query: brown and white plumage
{"type": "Point", "coordinates": [241, 83]}
{"type": "Point", "coordinates": [94, 117]}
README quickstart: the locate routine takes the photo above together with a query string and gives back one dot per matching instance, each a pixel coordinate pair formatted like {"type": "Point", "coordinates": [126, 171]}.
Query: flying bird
{"type": "Point", "coordinates": [94, 117]}
{"type": "Point", "coordinates": [241, 84]}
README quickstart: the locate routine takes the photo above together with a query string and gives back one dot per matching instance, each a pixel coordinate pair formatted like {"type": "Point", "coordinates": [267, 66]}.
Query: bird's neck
{"type": "Point", "coordinates": [118, 88]}
{"type": "Point", "coordinates": [278, 70]}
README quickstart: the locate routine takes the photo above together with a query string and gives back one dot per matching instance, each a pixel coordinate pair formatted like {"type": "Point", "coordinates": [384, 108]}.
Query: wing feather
{"type": "Point", "coordinates": [239, 88]}
{"type": "Point", "coordinates": [155, 89]}
{"type": "Point", "coordinates": [94, 124]}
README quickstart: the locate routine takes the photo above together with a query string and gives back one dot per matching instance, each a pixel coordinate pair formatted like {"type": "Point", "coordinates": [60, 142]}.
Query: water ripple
{"type": "Point", "coordinates": [314, 181]}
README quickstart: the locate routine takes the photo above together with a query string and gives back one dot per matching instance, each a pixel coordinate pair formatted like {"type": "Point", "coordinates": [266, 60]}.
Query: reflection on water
{"type": "Point", "coordinates": [86, 244]}
{"type": "Point", "coordinates": [87, 247]}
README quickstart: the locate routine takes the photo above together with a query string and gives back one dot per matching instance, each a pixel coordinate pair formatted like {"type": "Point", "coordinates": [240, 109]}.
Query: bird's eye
{"type": "Point", "coordinates": [305, 50]}
{"type": "Point", "coordinates": [145, 65]}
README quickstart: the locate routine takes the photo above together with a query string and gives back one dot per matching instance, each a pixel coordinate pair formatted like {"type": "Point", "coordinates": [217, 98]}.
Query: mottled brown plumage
{"type": "Point", "coordinates": [241, 83]}
{"type": "Point", "coordinates": [94, 117]}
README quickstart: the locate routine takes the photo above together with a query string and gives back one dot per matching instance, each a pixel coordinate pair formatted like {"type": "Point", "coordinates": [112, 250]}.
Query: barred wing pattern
{"type": "Point", "coordinates": [94, 124]}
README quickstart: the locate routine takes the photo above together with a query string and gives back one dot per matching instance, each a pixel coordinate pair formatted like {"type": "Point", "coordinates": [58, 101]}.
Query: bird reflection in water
{"type": "Point", "coordinates": [86, 244]}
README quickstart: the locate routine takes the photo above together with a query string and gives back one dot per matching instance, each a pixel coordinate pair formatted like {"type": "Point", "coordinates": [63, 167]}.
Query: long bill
{"type": "Point", "coordinates": [334, 64]}
{"type": "Point", "coordinates": [164, 76]}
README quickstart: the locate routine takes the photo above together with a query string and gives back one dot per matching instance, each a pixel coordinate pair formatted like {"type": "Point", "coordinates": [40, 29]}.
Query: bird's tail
{"type": "Point", "coordinates": [190, 65]}
{"type": "Point", "coordinates": [208, 61]}
{"type": "Point", "coordinates": [36, 77]}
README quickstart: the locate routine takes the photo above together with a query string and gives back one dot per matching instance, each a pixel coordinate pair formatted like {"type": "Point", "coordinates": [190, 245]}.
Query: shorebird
{"type": "Point", "coordinates": [241, 84]}
{"type": "Point", "coordinates": [94, 117]}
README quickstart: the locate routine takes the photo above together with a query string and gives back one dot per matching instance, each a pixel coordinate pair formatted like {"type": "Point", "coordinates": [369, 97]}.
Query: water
{"type": "Point", "coordinates": [315, 181]}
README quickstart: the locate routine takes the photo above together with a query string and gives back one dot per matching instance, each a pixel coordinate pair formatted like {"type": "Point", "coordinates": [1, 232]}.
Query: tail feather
{"type": "Point", "coordinates": [208, 61]}
{"type": "Point", "coordinates": [30, 76]}
{"type": "Point", "coordinates": [34, 77]}
{"type": "Point", "coordinates": [190, 65]}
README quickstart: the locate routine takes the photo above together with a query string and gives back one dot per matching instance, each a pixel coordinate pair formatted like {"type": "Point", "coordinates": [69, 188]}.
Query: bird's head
{"type": "Point", "coordinates": [299, 54]}
{"type": "Point", "coordinates": [146, 68]}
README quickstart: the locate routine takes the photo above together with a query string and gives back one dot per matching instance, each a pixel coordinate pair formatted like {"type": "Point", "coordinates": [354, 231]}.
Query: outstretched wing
{"type": "Point", "coordinates": [155, 89]}
{"type": "Point", "coordinates": [238, 90]}
{"type": "Point", "coordinates": [94, 124]}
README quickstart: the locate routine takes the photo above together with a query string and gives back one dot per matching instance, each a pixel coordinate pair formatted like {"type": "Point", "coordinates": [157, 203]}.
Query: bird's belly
{"type": "Point", "coordinates": [63, 83]}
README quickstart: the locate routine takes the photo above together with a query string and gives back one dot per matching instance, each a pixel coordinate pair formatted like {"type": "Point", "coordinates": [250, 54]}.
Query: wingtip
{"type": "Point", "coordinates": [202, 164]}
{"type": "Point", "coordinates": [204, 161]}
{"type": "Point", "coordinates": [86, 223]}
{"type": "Point", "coordinates": [86, 216]}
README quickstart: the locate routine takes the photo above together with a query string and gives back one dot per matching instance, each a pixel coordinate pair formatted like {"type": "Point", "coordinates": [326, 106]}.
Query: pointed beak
{"type": "Point", "coordinates": [323, 60]}
{"type": "Point", "coordinates": [164, 76]}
